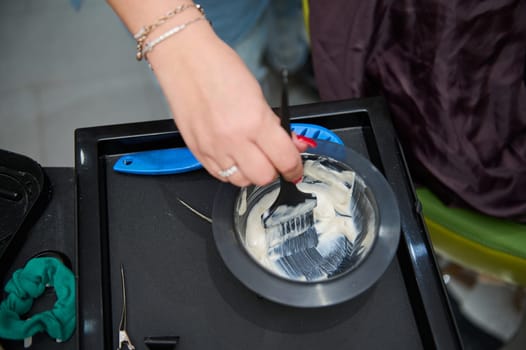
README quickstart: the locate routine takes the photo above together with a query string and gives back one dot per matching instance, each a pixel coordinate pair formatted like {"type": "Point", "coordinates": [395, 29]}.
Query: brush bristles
{"type": "Point", "coordinates": [296, 225]}
{"type": "Point", "coordinates": [290, 236]}
{"type": "Point", "coordinates": [286, 227]}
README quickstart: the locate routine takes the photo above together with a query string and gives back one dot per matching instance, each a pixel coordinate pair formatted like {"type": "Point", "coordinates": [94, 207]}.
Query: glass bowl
{"type": "Point", "coordinates": [345, 228]}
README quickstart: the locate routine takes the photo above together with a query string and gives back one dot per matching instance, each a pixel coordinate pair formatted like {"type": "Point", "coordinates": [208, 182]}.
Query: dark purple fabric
{"type": "Point", "coordinates": [452, 72]}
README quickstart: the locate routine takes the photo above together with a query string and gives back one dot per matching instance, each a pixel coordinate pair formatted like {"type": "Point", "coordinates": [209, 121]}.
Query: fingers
{"type": "Point", "coordinates": [281, 151]}
{"type": "Point", "coordinates": [229, 172]}
{"type": "Point", "coordinates": [273, 152]}
{"type": "Point", "coordinates": [256, 165]}
{"type": "Point", "coordinates": [258, 160]}
{"type": "Point", "coordinates": [251, 166]}
{"type": "Point", "coordinates": [302, 142]}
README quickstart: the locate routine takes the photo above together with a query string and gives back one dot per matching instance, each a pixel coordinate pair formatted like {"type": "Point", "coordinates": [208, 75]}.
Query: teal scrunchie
{"type": "Point", "coordinates": [29, 283]}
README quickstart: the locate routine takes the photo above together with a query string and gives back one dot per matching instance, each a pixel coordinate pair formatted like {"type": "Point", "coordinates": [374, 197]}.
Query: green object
{"type": "Point", "coordinates": [26, 285]}
{"type": "Point", "coordinates": [503, 235]}
{"type": "Point", "coordinates": [481, 242]}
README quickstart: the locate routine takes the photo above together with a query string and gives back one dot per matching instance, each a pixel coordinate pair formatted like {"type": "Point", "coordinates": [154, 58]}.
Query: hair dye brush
{"type": "Point", "coordinates": [289, 222]}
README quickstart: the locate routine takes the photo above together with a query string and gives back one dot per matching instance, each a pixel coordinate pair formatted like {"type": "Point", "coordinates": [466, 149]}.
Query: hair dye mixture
{"type": "Point", "coordinates": [332, 247]}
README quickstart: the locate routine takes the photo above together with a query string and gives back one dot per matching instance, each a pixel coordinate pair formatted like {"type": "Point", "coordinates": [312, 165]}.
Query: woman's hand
{"type": "Point", "coordinates": [220, 110]}
{"type": "Point", "coordinates": [216, 103]}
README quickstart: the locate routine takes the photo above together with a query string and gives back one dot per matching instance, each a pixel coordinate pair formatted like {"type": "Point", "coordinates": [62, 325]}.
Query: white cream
{"type": "Point", "coordinates": [333, 191]}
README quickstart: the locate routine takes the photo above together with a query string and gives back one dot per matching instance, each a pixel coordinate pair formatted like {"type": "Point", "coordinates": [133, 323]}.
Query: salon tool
{"type": "Point", "coordinates": [161, 342]}
{"type": "Point", "coordinates": [289, 222]}
{"type": "Point", "coordinates": [158, 162]}
{"type": "Point", "coordinates": [123, 335]}
{"type": "Point", "coordinates": [181, 160]}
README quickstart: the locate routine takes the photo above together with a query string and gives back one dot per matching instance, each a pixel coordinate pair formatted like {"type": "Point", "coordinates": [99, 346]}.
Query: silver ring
{"type": "Point", "coordinates": [228, 172]}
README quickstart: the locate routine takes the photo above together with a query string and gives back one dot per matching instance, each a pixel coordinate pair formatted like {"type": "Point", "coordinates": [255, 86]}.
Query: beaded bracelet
{"type": "Point", "coordinates": [148, 47]}
{"type": "Point", "coordinates": [143, 33]}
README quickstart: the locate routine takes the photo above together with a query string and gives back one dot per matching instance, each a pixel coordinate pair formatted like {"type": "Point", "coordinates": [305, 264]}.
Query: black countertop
{"type": "Point", "coordinates": [54, 230]}
{"type": "Point", "coordinates": [178, 285]}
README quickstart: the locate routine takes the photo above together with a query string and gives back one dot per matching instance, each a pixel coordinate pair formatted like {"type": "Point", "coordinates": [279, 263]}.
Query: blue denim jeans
{"type": "Point", "coordinates": [277, 41]}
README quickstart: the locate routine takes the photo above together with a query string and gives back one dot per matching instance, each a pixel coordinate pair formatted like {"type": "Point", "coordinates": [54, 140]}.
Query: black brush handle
{"type": "Point", "coordinates": [284, 109]}
{"type": "Point", "coordinates": [287, 188]}
{"type": "Point", "coordinates": [284, 115]}
{"type": "Point", "coordinates": [289, 195]}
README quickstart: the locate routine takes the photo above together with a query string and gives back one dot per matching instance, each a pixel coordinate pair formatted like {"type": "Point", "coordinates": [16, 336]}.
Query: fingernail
{"type": "Point", "coordinates": [297, 181]}
{"type": "Point", "coordinates": [311, 142]}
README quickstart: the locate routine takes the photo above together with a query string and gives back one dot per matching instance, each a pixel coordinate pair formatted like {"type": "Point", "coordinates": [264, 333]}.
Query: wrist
{"type": "Point", "coordinates": [186, 47]}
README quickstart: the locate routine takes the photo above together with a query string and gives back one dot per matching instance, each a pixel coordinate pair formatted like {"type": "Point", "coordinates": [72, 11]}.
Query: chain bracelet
{"type": "Point", "coordinates": [148, 47]}
{"type": "Point", "coordinates": [143, 33]}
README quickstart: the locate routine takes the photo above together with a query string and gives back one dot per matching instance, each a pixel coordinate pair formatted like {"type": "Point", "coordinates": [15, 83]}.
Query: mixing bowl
{"type": "Point", "coordinates": [356, 236]}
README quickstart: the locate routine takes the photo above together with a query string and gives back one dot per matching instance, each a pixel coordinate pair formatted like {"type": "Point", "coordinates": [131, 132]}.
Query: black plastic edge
{"type": "Point", "coordinates": [439, 331]}
{"type": "Point", "coordinates": [34, 211]}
